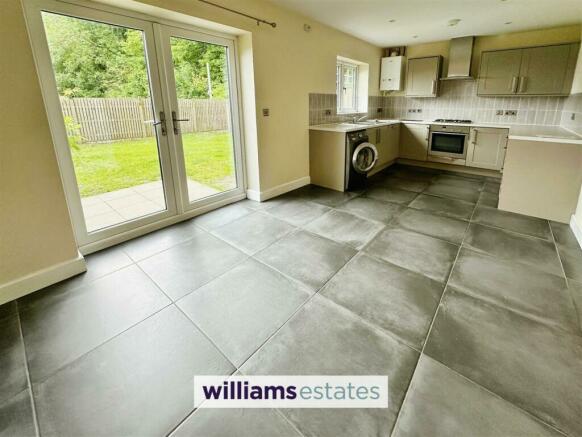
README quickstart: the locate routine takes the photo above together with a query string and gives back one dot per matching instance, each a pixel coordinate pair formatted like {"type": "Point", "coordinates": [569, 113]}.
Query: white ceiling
{"type": "Point", "coordinates": [428, 19]}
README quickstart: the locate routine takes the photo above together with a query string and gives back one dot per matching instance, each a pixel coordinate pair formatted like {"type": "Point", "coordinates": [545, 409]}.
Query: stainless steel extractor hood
{"type": "Point", "coordinates": [460, 55]}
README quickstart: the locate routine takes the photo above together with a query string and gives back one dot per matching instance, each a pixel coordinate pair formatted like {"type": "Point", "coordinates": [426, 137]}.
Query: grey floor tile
{"type": "Point", "coordinates": [307, 258]}
{"type": "Point", "coordinates": [7, 310]}
{"type": "Point", "coordinates": [16, 416]}
{"type": "Point", "coordinates": [221, 216]}
{"type": "Point", "coordinates": [372, 209]}
{"type": "Point", "coordinates": [325, 339]}
{"type": "Point", "coordinates": [572, 261]}
{"type": "Point", "coordinates": [564, 235]}
{"type": "Point", "coordinates": [445, 228]}
{"type": "Point", "coordinates": [492, 187]}
{"type": "Point", "coordinates": [441, 205]}
{"type": "Point", "coordinates": [522, 224]}
{"type": "Point", "coordinates": [419, 253]}
{"type": "Point", "coordinates": [254, 205]}
{"type": "Point", "coordinates": [394, 195]}
{"type": "Point", "coordinates": [535, 367]}
{"type": "Point", "coordinates": [418, 174]}
{"type": "Point", "coordinates": [99, 264]}
{"type": "Point", "coordinates": [60, 326]}
{"type": "Point", "coordinates": [324, 196]}
{"type": "Point", "coordinates": [345, 228]}
{"type": "Point", "coordinates": [298, 212]}
{"type": "Point", "coordinates": [529, 291]}
{"type": "Point", "coordinates": [488, 199]}
{"type": "Point", "coordinates": [253, 232]}
{"type": "Point", "coordinates": [441, 403]}
{"type": "Point", "coordinates": [12, 363]}
{"type": "Point", "coordinates": [243, 307]}
{"type": "Point", "coordinates": [158, 241]}
{"type": "Point", "coordinates": [183, 268]}
{"type": "Point", "coordinates": [139, 383]}
{"type": "Point", "coordinates": [404, 184]}
{"type": "Point", "coordinates": [465, 181]}
{"type": "Point", "coordinates": [509, 246]}
{"type": "Point", "coordinates": [395, 299]}
{"type": "Point", "coordinates": [248, 422]}
{"type": "Point", "coordinates": [454, 192]}
{"type": "Point", "coordinates": [575, 288]}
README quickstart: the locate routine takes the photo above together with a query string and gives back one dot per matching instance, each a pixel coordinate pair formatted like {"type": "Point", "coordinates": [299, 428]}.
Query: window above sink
{"type": "Point", "coordinates": [351, 86]}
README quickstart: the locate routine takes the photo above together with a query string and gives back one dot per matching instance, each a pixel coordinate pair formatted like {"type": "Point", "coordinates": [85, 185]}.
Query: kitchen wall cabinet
{"type": "Point", "coordinates": [531, 71]}
{"type": "Point", "coordinates": [499, 72]}
{"type": "Point", "coordinates": [422, 76]}
{"type": "Point", "coordinates": [486, 147]}
{"type": "Point", "coordinates": [414, 141]}
{"type": "Point", "coordinates": [391, 73]}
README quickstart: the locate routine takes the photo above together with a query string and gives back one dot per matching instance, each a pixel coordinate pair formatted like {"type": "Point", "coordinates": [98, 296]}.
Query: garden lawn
{"type": "Point", "coordinates": [101, 168]}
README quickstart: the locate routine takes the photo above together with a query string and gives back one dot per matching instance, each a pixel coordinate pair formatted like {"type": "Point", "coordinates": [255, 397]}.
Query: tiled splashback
{"type": "Point", "coordinates": [323, 109]}
{"type": "Point", "coordinates": [573, 105]}
{"type": "Point", "coordinates": [457, 99]}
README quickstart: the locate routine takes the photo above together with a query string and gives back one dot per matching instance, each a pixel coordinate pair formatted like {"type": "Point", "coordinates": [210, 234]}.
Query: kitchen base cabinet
{"type": "Point", "coordinates": [541, 179]}
{"type": "Point", "coordinates": [486, 148]}
{"type": "Point", "coordinates": [388, 144]}
{"type": "Point", "coordinates": [414, 141]}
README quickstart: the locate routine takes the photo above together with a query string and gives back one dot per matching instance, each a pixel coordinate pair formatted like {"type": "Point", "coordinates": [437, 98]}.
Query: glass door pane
{"type": "Point", "coordinates": [202, 118]}
{"type": "Point", "coordinates": [103, 82]}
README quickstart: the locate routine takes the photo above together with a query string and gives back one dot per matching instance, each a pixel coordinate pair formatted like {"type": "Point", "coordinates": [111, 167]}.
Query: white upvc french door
{"type": "Point", "coordinates": [120, 188]}
{"type": "Point", "coordinates": [197, 186]}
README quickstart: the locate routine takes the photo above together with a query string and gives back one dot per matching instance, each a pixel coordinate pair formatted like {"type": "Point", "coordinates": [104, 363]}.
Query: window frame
{"type": "Point", "coordinates": [341, 66]}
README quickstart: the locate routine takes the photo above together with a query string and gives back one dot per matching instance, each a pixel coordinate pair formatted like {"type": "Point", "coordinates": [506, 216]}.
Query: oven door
{"type": "Point", "coordinates": [448, 144]}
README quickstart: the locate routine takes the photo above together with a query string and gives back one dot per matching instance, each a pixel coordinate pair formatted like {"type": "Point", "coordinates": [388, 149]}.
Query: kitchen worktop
{"type": "Point", "coordinates": [516, 131]}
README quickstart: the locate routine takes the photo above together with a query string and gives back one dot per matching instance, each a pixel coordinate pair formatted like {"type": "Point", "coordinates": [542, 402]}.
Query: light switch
{"type": "Point", "coordinates": [265, 112]}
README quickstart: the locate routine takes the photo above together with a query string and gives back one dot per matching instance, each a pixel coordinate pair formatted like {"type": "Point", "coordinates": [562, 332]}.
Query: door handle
{"type": "Point", "coordinates": [176, 121]}
{"type": "Point", "coordinates": [522, 84]}
{"type": "Point", "coordinates": [161, 123]}
{"type": "Point", "coordinates": [514, 82]}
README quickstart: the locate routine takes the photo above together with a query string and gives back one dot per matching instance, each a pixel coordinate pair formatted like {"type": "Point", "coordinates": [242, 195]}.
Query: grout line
{"type": "Point", "coordinates": [431, 324]}
{"type": "Point", "coordinates": [567, 280]}
{"type": "Point", "coordinates": [280, 413]}
{"type": "Point", "coordinates": [26, 367]}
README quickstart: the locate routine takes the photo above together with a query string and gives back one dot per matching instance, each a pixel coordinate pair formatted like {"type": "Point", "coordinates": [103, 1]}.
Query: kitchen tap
{"type": "Point", "coordinates": [356, 119]}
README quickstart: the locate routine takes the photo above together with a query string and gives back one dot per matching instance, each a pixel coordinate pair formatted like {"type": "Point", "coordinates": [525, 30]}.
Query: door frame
{"type": "Point", "coordinates": [163, 34]}
{"type": "Point", "coordinates": [175, 212]}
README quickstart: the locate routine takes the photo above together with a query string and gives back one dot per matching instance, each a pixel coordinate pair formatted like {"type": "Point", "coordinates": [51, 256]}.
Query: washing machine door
{"type": "Point", "coordinates": [364, 157]}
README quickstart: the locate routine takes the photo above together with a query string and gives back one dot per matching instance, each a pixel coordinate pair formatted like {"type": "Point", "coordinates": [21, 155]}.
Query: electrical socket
{"type": "Point", "coordinates": [499, 112]}
{"type": "Point", "coordinates": [511, 112]}
{"type": "Point", "coordinates": [328, 112]}
{"type": "Point", "coordinates": [266, 112]}
{"type": "Point", "coordinates": [379, 110]}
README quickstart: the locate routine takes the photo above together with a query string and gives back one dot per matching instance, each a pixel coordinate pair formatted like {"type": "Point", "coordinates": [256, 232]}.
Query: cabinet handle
{"type": "Point", "coordinates": [514, 82]}
{"type": "Point", "coordinates": [433, 88]}
{"type": "Point", "coordinates": [522, 83]}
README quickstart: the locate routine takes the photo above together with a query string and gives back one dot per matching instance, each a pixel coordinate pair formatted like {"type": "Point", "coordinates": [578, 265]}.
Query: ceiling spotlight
{"type": "Point", "coordinates": [508, 22]}
{"type": "Point", "coordinates": [415, 36]}
{"type": "Point", "coordinates": [454, 21]}
{"type": "Point", "coordinates": [392, 20]}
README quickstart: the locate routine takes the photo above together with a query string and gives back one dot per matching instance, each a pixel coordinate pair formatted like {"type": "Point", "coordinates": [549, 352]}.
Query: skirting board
{"type": "Point", "coordinates": [41, 278]}
{"type": "Point", "coordinates": [576, 229]}
{"type": "Point", "coordinates": [261, 196]}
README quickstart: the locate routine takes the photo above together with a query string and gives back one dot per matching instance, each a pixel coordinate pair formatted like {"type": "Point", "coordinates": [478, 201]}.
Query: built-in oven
{"type": "Point", "coordinates": [448, 143]}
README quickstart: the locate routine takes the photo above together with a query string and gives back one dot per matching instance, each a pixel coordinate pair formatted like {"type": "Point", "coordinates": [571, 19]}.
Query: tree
{"type": "Point", "coordinates": [92, 59]}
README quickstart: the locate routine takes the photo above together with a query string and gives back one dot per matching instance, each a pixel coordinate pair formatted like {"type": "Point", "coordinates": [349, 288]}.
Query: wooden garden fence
{"type": "Point", "coordinates": [97, 120]}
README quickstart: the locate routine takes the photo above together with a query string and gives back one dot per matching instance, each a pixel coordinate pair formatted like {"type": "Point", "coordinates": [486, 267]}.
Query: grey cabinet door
{"type": "Point", "coordinates": [499, 72]}
{"type": "Point", "coordinates": [414, 141]}
{"type": "Point", "coordinates": [547, 70]}
{"type": "Point", "coordinates": [422, 76]}
{"type": "Point", "coordinates": [487, 148]}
